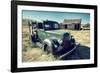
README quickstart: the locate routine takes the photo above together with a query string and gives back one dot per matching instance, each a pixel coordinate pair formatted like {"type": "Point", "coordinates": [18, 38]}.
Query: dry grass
{"type": "Point", "coordinates": [82, 36]}
{"type": "Point", "coordinates": [36, 54]}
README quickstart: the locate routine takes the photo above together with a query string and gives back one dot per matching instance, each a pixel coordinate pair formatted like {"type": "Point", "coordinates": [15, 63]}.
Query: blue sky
{"type": "Point", "coordinates": [56, 16]}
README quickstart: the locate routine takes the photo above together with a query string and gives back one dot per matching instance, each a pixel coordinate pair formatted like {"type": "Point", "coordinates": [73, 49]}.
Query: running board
{"type": "Point", "coordinates": [69, 51]}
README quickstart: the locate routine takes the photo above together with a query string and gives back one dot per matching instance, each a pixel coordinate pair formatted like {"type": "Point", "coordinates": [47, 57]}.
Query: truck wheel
{"type": "Point", "coordinates": [55, 45]}
{"type": "Point", "coordinates": [47, 46]}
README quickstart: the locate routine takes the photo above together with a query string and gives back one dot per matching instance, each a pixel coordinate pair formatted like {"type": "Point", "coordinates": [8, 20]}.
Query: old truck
{"type": "Point", "coordinates": [53, 39]}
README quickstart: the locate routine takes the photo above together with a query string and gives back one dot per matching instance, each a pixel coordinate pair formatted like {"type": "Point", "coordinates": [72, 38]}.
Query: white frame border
{"type": "Point", "coordinates": [53, 63]}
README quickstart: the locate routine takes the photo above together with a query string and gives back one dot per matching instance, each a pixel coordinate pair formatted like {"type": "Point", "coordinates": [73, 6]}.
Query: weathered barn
{"type": "Point", "coordinates": [73, 24]}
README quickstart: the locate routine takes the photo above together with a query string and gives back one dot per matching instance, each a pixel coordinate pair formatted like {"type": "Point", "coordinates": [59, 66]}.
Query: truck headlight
{"type": "Point", "coordinates": [55, 46]}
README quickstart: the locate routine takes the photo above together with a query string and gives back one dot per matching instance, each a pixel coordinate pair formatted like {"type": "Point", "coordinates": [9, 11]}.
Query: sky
{"type": "Point", "coordinates": [55, 16]}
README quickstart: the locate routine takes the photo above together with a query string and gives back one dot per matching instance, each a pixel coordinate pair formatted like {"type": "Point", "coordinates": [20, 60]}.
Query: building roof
{"type": "Point", "coordinates": [71, 21]}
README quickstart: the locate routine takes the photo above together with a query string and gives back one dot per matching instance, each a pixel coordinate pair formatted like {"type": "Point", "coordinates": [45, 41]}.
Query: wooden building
{"type": "Point", "coordinates": [73, 24]}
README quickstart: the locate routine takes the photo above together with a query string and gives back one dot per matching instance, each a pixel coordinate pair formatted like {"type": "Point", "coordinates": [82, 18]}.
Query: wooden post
{"type": "Point", "coordinates": [29, 23]}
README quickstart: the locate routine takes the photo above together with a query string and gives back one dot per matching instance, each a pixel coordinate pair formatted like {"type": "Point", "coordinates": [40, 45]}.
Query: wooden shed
{"type": "Point", "coordinates": [73, 24]}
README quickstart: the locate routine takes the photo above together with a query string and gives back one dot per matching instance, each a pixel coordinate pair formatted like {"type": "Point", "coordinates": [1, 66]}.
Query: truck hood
{"type": "Point", "coordinates": [58, 32]}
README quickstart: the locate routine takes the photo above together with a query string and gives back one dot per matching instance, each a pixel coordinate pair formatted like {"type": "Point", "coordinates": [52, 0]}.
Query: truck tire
{"type": "Point", "coordinates": [47, 46]}
{"type": "Point", "coordinates": [55, 45]}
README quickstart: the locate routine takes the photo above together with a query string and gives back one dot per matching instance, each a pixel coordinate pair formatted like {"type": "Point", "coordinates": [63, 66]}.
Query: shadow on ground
{"type": "Point", "coordinates": [82, 52]}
